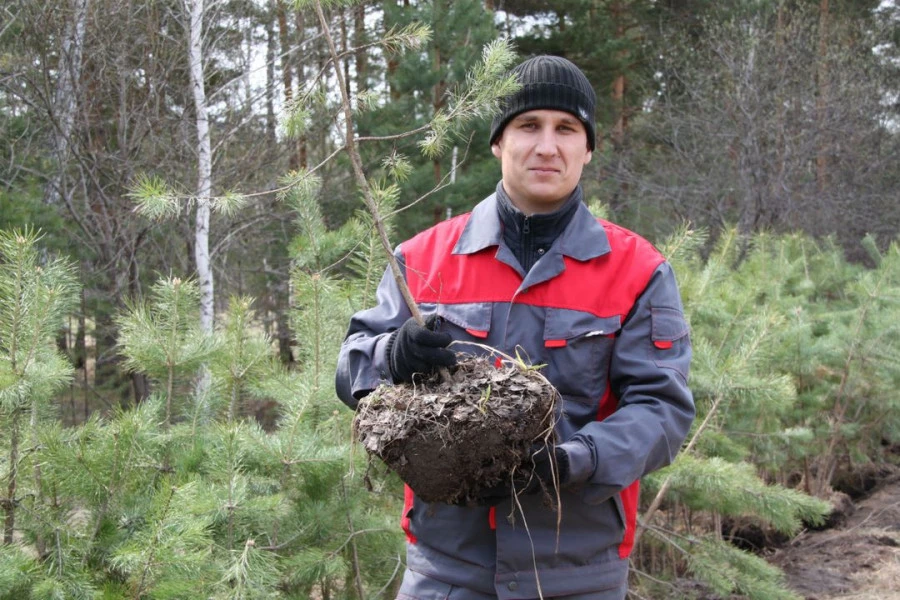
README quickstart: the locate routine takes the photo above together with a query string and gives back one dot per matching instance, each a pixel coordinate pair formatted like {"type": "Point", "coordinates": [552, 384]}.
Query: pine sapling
{"type": "Point", "coordinates": [35, 294]}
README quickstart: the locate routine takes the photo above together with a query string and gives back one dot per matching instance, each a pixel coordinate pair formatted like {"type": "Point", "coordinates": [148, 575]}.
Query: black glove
{"type": "Point", "coordinates": [532, 477]}
{"type": "Point", "coordinates": [416, 349]}
{"type": "Point", "coordinates": [549, 472]}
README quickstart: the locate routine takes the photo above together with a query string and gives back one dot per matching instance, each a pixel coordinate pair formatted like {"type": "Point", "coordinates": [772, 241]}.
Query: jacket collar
{"type": "Point", "coordinates": [583, 239]}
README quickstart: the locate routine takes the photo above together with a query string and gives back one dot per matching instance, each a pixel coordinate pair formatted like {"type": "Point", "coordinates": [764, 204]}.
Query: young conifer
{"type": "Point", "coordinates": [36, 292]}
{"type": "Point", "coordinates": [741, 398]}
{"type": "Point", "coordinates": [355, 545]}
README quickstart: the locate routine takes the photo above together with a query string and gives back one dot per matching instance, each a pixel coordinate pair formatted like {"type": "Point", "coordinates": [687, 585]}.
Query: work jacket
{"type": "Point", "coordinates": [601, 310]}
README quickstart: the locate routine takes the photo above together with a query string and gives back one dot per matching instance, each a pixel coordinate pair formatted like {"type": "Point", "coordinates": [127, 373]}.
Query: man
{"type": "Point", "coordinates": [531, 269]}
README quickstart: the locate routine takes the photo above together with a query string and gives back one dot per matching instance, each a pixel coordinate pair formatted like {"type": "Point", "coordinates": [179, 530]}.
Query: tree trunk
{"type": "Point", "coordinates": [271, 53]}
{"type": "Point", "coordinates": [287, 77]}
{"type": "Point", "coordinates": [204, 165]}
{"type": "Point", "coordinates": [618, 97]}
{"type": "Point", "coordinates": [247, 48]}
{"type": "Point", "coordinates": [393, 63]}
{"type": "Point", "coordinates": [822, 99]}
{"type": "Point", "coordinates": [620, 82]}
{"type": "Point", "coordinates": [345, 45]}
{"type": "Point", "coordinates": [779, 201]}
{"type": "Point", "coordinates": [40, 544]}
{"type": "Point", "coordinates": [109, 379]}
{"type": "Point", "coordinates": [79, 361]}
{"type": "Point", "coordinates": [64, 99]}
{"type": "Point", "coordinates": [359, 40]}
{"type": "Point", "coordinates": [302, 146]}
{"type": "Point", "coordinates": [619, 130]}
{"type": "Point", "coordinates": [437, 103]}
{"type": "Point", "coordinates": [9, 503]}
{"type": "Point", "coordinates": [438, 95]}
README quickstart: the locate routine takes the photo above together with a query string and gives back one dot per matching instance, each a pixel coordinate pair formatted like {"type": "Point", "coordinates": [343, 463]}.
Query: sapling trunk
{"type": "Point", "coordinates": [154, 545]}
{"type": "Point", "coordinates": [664, 488]}
{"type": "Point", "coordinates": [39, 542]}
{"type": "Point", "coordinates": [9, 503]}
{"type": "Point", "coordinates": [828, 462]}
{"type": "Point", "coordinates": [362, 182]}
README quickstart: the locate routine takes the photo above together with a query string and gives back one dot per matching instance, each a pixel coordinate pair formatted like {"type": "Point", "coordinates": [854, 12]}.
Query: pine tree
{"type": "Point", "coordinates": [159, 337]}
{"type": "Point", "coordinates": [792, 372]}
{"type": "Point", "coordinates": [354, 506]}
{"type": "Point", "coordinates": [36, 291]}
{"type": "Point", "coordinates": [184, 495]}
{"type": "Point", "coordinates": [423, 85]}
{"type": "Point", "coordinates": [741, 398]}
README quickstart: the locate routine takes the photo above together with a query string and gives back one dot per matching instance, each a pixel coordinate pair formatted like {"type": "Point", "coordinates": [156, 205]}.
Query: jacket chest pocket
{"type": "Point", "coordinates": [467, 322]}
{"type": "Point", "coordinates": [579, 346]}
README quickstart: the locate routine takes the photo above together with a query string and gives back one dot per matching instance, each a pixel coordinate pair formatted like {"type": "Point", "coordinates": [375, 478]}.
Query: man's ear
{"type": "Point", "coordinates": [587, 157]}
{"type": "Point", "coordinates": [495, 149]}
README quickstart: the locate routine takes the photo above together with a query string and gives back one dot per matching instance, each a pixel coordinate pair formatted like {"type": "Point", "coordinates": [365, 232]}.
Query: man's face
{"type": "Point", "coordinates": [542, 154]}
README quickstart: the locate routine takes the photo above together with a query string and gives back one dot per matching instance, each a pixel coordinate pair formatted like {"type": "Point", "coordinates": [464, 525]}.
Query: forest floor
{"type": "Point", "coordinates": [857, 558]}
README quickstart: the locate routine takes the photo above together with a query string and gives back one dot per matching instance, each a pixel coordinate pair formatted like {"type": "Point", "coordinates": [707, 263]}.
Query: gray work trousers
{"type": "Point", "coordinates": [416, 586]}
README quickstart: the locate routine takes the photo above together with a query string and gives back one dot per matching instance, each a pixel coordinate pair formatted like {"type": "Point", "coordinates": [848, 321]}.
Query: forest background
{"type": "Point", "coordinates": [185, 238]}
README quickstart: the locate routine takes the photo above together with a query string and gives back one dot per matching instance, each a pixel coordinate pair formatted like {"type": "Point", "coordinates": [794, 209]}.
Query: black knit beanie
{"type": "Point", "coordinates": [552, 83]}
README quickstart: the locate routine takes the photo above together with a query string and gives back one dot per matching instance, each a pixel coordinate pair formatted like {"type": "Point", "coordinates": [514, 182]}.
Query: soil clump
{"type": "Point", "coordinates": [450, 439]}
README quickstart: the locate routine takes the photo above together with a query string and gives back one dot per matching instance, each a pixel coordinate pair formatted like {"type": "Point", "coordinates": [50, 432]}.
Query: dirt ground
{"type": "Point", "coordinates": [858, 559]}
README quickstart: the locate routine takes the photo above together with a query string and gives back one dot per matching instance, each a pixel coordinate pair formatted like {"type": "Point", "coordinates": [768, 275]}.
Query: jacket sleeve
{"type": "Point", "coordinates": [648, 374]}
{"type": "Point", "coordinates": [362, 363]}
